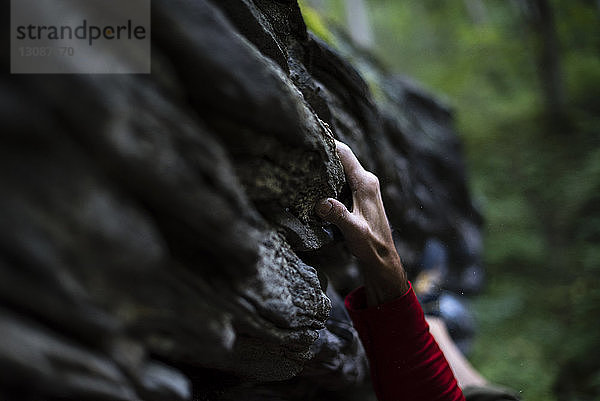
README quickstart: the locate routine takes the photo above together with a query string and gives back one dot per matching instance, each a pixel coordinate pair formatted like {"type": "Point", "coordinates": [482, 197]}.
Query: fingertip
{"type": "Point", "coordinates": [323, 208]}
{"type": "Point", "coordinates": [338, 214]}
{"type": "Point", "coordinates": [342, 147]}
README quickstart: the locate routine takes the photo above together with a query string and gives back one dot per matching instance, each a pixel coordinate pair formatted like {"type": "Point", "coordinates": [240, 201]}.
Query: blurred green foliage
{"type": "Point", "coordinates": [315, 23]}
{"type": "Point", "coordinates": [534, 171]}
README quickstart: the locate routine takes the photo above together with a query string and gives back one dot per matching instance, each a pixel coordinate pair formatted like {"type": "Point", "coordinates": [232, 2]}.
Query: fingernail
{"type": "Point", "coordinates": [323, 208]}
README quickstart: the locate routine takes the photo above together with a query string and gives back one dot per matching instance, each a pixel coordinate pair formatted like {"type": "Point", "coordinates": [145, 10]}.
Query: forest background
{"type": "Point", "coordinates": [523, 78]}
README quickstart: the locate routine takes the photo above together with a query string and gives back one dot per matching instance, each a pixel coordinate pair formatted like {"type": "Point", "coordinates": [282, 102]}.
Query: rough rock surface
{"type": "Point", "coordinates": [158, 240]}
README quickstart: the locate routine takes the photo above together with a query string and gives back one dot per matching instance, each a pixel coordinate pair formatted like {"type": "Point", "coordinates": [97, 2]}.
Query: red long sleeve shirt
{"type": "Point", "coordinates": [406, 362]}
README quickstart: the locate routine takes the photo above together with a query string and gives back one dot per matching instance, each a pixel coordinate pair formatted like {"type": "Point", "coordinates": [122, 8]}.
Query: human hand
{"type": "Point", "coordinates": [367, 231]}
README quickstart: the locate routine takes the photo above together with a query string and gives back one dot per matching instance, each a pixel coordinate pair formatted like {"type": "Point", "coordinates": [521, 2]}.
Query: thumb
{"type": "Point", "coordinates": [335, 212]}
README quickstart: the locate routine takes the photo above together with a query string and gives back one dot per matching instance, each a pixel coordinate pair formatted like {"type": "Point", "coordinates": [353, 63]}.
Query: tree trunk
{"type": "Point", "coordinates": [541, 18]}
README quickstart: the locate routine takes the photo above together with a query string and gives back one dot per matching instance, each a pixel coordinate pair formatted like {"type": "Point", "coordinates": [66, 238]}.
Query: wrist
{"type": "Point", "coordinates": [385, 280]}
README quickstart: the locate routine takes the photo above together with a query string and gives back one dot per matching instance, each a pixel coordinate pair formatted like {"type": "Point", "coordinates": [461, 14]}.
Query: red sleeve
{"type": "Point", "coordinates": [406, 362]}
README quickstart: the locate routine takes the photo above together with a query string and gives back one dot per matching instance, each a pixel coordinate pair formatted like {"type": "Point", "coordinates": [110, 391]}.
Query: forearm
{"type": "Point", "coordinates": [406, 362]}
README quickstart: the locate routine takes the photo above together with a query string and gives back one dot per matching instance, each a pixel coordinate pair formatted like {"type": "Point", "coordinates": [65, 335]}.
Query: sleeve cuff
{"type": "Point", "coordinates": [357, 299]}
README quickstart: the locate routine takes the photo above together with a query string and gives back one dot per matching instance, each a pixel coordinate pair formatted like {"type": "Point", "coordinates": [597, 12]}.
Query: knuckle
{"type": "Point", "coordinates": [371, 183]}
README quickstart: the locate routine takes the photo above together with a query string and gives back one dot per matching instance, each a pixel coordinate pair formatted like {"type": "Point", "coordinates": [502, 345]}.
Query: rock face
{"type": "Point", "coordinates": [158, 240]}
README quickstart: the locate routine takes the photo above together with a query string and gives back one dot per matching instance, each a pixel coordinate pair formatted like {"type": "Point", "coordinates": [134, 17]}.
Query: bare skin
{"type": "Point", "coordinates": [369, 238]}
{"type": "Point", "coordinates": [465, 374]}
{"type": "Point", "coordinates": [367, 231]}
